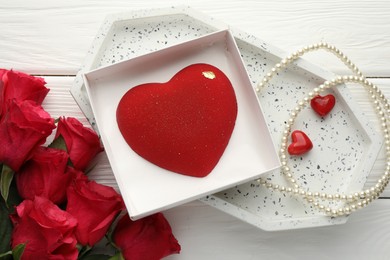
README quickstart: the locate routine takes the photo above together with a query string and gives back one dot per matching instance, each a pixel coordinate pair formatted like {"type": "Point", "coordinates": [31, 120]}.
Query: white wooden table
{"type": "Point", "coordinates": [50, 38]}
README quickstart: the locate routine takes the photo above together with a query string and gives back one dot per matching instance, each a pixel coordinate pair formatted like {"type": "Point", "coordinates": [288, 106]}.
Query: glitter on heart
{"type": "Point", "coordinates": [183, 125]}
{"type": "Point", "coordinates": [322, 105]}
{"type": "Point", "coordinates": [301, 143]}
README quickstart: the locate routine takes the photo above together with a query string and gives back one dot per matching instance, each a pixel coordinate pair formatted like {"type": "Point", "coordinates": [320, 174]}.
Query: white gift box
{"type": "Point", "coordinates": [147, 188]}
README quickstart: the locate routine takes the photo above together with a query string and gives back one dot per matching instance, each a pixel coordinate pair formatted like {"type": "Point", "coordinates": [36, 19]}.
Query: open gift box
{"type": "Point", "coordinates": [147, 188]}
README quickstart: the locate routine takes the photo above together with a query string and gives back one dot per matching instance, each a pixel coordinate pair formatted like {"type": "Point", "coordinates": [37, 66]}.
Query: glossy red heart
{"type": "Point", "coordinates": [183, 125]}
{"type": "Point", "coordinates": [322, 105]}
{"type": "Point", "coordinates": [301, 143]}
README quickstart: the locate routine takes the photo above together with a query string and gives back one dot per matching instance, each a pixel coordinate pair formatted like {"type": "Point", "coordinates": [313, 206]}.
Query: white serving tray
{"type": "Point", "coordinates": [147, 188]}
{"type": "Point", "coordinates": [345, 136]}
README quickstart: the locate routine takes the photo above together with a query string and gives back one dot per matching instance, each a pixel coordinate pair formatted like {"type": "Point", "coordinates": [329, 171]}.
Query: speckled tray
{"type": "Point", "coordinates": [344, 136]}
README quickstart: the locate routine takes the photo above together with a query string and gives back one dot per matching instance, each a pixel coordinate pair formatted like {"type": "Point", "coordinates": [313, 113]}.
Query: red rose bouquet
{"type": "Point", "coordinates": [49, 208]}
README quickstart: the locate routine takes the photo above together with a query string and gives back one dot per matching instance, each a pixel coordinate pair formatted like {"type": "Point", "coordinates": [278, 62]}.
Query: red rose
{"type": "Point", "coordinates": [23, 128]}
{"type": "Point", "coordinates": [82, 143]}
{"type": "Point", "coordinates": [45, 175]}
{"type": "Point", "coordinates": [47, 231]}
{"type": "Point", "coordinates": [2, 72]}
{"type": "Point", "coordinates": [95, 206]}
{"type": "Point", "coordinates": [20, 86]}
{"type": "Point", "coordinates": [146, 239]}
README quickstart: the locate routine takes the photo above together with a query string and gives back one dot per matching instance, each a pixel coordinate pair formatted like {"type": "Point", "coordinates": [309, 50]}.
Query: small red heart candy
{"type": "Point", "coordinates": [300, 143]}
{"type": "Point", "coordinates": [183, 125]}
{"type": "Point", "coordinates": [322, 105]}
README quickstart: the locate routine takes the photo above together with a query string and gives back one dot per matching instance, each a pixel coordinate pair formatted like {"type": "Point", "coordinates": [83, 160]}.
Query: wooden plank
{"type": "Point", "coordinates": [52, 37]}
{"type": "Point", "coordinates": [363, 99]}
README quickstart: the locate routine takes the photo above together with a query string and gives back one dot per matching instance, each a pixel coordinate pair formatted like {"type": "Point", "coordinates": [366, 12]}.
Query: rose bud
{"type": "Point", "coordinates": [20, 86]}
{"type": "Point", "coordinates": [23, 128]}
{"type": "Point", "coordinates": [82, 143]}
{"type": "Point", "coordinates": [147, 238]}
{"type": "Point", "coordinates": [45, 175]}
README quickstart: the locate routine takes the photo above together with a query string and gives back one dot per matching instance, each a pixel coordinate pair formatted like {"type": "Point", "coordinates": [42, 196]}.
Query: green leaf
{"type": "Point", "coordinates": [59, 143]}
{"type": "Point", "coordinates": [118, 256]}
{"type": "Point", "coordinates": [83, 251]}
{"type": "Point", "coordinates": [5, 228]}
{"type": "Point", "coordinates": [96, 257]}
{"type": "Point", "coordinates": [14, 198]}
{"type": "Point", "coordinates": [6, 255]}
{"type": "Point", "coordinates": [7, 174]}
{"type": "Point", "coordinates": [17, 251]}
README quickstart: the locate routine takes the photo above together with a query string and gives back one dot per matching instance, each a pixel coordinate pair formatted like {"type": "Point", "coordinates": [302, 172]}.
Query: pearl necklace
{"type": "Point", "coordinates": [356, 200]}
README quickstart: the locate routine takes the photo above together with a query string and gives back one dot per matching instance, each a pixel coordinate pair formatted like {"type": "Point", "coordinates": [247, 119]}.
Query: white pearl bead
{"type": "Point", "coordinates": [382, 109]}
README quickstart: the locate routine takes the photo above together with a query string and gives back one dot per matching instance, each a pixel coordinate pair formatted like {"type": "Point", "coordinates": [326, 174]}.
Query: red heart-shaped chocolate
{"type": "Point", "coordinates": [183, 125]}
{"type": "Point", "coordinates": [323, 104]}
{"type": "Point", "coordinates": [300, 143]}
